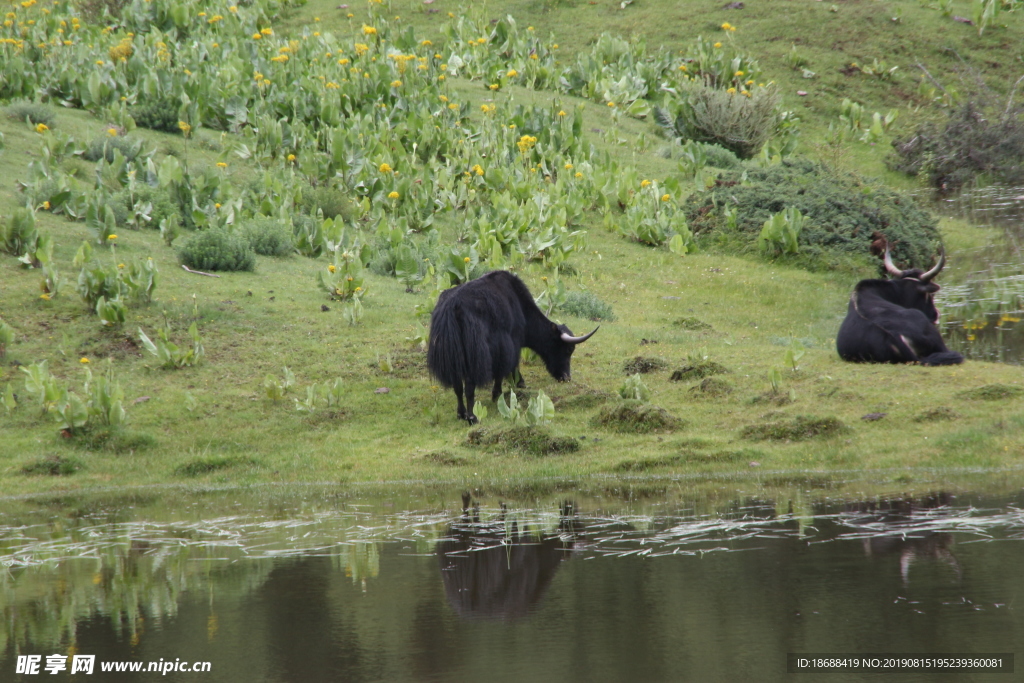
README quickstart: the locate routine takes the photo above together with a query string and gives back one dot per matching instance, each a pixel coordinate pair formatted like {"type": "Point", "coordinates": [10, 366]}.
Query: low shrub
{"type": "Point", "coordinates": [217, 249]}
{"type": "Point", "coordinates": [34, 112]}
{"type": "Point", "coordinates": [103, 147]}
{"type": "Point", "coordinates": [330, 200]}
{"type": "Point", "coordinates": [587, 305]}
{"type": "Point", "coordinates": [161, 206]}
{"type": "Point", "coordinates": [524, 439]}
{"type": "Point", "coordinates": [698, 370]}
{"type": "Point", "coordinates": [980, 137]}
{"type": "Point", "coordinates": [159, 114]}
{"type": "Point", "coordinates": [268, 236]}
{"type": "Point", "coordinates": [739, 123]}
{"type": "Point", "coordinates": [643, 365]}
{"type": "Point", "coordinates": [843, 214]}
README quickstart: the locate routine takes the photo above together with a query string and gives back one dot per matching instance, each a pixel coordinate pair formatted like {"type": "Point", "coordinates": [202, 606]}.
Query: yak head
{"type": "Point", "coordinates": [915, 287]}
{"type": "Point", "coordinates": [557, 350]}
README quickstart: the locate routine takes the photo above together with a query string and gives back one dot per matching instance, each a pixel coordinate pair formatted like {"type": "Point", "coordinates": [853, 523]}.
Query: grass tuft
{"type": "Point", "coordinates": [991, 392]}
{"type": "Point", "coordinates": [699, 370]}
{"type": "Point", "coordinates": [54, 465]}
{"type": "Point", "coordinates": [799, 428]}
{"type": "Point", "coordinates": [530, 440]}
{"type": "Point", "coordinates": [940, 414]}
{"type": "Point", "coordinates": [712, 387]}
{"type": "Point", "coordinates": [643, 365]}
{"type": "Point", "coordinates": [113, 440]}
{"type": "Point", "coordinates": [212, 463]}
{"type": "Point", "coordinates": [634, 417]}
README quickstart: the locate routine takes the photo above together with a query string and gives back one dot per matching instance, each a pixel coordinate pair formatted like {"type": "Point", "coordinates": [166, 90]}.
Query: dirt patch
{"type": "Point", "coordinates": [446, 458]}
{"type": "Point", "coordinates": [940, 414]}
{"type": "Point", "coordinates": [705, 368]}
{"type": "Point", "coordinates": [643, 365]}
{"type": "Point", "coordinates": [799, 428]}
{"type": "Point", "coordinates": [991, 392]}
{"type": "Point", "coordinates": [712, 387]}
{"type": "Point", "coordinates": [634, 417]}
{"type": "Point", "coordinates": [531, 440]}
{"type": "Point", "coordinates": [54, 466]}
{"type": "Point", "coordinates": [692, 324]}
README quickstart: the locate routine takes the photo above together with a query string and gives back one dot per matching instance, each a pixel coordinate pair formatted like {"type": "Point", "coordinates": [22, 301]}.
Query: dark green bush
{"type": "Point", "coordinates": [104, 147]}
{"type": "Point", "coordinates": [217, 249]}
{"type": "Point", "coordinates": [268, 236]}
{"type": "Point", "coordinates": [587, 305]}
{"type": "Point", "coordinates": [843, 214]}
{"type": "Point", "coordinates": [160, 201]}
{"type": "Point", "coordinates": [978, 139]}
{"type": "Point", "coordinates": [160, 114]}
{"type": "Point", "coordinates": [33, 111]}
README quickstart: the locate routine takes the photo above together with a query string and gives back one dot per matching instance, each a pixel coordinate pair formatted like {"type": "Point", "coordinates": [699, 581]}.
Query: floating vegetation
{"type": "Point", "coordinates": [637, 418]}
{"type": "Point", "coordinates": [530, 440]}
{"type": "Point", "coordinates": [799, 428]}
{"type": "Point", "coordinates": [643, 365]}
{"type": "Point", "coordinates": [991, 392]}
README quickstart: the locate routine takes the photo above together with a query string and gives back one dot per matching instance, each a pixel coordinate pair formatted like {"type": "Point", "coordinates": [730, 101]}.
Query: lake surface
{"type": "Point", "coordinates": [330, 586]}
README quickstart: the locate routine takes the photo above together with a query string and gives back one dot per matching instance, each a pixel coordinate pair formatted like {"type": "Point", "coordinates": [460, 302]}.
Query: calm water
{"type": "Point", "coordinates": [331, 588]}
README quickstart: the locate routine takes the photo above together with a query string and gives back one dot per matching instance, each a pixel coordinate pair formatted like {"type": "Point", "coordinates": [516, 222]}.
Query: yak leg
{"type": "Point", "coordinates": [497, 390]}
{"type": "Point", "coordinates": [458, 394]}
{"type": "Point", "coordinates": [470, 401]}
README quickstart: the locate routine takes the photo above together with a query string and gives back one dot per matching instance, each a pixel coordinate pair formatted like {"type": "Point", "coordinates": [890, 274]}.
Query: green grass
{"type": "Point", "coordinates": [733, 309]}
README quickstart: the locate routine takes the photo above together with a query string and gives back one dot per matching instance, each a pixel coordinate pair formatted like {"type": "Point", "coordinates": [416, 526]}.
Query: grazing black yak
{"type": "Point", "coordinates": [478, 329]}
{"type": "Point", "coordinates": [895, 321]}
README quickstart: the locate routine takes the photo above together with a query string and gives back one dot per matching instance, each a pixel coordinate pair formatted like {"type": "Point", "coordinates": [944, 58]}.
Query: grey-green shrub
{"type": "Point", "coordinates": [268, 236]}
{"type": "Point", "coordinates": [104, 147]}
{"type": "Point", "coordinates": [160, 114]}
{"type": "Point", "coordinates": [330, 200]}
{"type": "Point", "coordinates": [587, 305]}
{"type": "Point", "coordinates": [35, 113]}
{"type": "Point", "coordinates": [217, 249]}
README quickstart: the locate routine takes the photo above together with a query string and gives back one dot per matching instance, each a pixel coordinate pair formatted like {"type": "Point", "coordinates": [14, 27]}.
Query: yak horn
{"type": "Point", "coordinates": [925, 277]}
{"type": "Point", "coordinates": [566, 337]}
{"type": "Point", "coordinates": [889, 266]}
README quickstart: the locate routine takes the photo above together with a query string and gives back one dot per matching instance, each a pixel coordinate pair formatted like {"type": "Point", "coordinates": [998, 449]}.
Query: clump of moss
{"type": "Point", "coordinates": [937, 415]}
{"type": "Point", "coordinates": [444, 457]}
{"type": "Point", "coordinates": [530, 440]}
{"type": "Point", "coordinates": [698, 370]}
{"type": "Point", "coordinates": [991, 392]}
{"type": "Point", "coordinates": [205, 465]}
{"type": "Point", "coordinates": [636, 417]}
{"type": "Point", "coordinates": [54, 466]}
{"type": "Point", "coordinates": [799, 428]}
{"type": "Point", "coordinates": [692, 324]}
{"type": "Point", "coordinates": [712, 387]}
{"type": "Point", "coordinates": [643, 365]}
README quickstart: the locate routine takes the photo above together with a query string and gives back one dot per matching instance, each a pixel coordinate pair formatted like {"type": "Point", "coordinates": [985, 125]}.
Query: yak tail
{"type": "Point", "coordinates": [451, 339]}
{"type": "Point", "coordinates": [943, 358]}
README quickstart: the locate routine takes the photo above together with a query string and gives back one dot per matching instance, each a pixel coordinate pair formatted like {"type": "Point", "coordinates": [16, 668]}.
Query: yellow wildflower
{"type": "Point", "coordinates": [478, 169]}
{"type": "Point", "coordinates": [46, 206]}
{"type": "Point", "coordinates": [738, 74]}
{"type": "Point", "coordinates": [512, 73]}
{"type": "Point", "coordinates": [568, 167]}
{"type": "Point", "coordinates": [561, 112]}
{"type": "Point", "coordinates": [83, 360]}
{"type": "Point", "coordinates": [385, 168]}
{"type": "Point", "coordinates": [185, 128]}
{"type": "Point", "coordinates": [611, 104]}
{"type": "Point", "coordinates": [578, 174]}
{"type": "Point", "coordinates": [396, 83]}
{"type": "Point", "coordinates": [465, 260]}
{"type": "Point", "coordinates": [731, 91]}
{"type": "Point", "coordinates": [645, 183]}
{"type": "Point", "coordinates": [426, 43]}
{"type": "Point", "coordinates": [291, 157]}
{"type": "Point", "coordinates": [42, 128]}
{"type": "Point", "coordinates": [111, 237]}
{"type": "Point", "coordinates": [267, 31]}
{"type": "Point", "coordinates": [665, 197]}
{"type": "Point", "coordinates": [718, 45]}
{"type": "Point", "coordinates": [221, 164]}
{"type": "Point", "coordinates": [494, 86]}
{"type": "Point", "coordinates": [369, 30]}
{"type": "Point", "coordinates": [44, 297]}
{"type": "Point", "coordinates": [727, 26]}
{"type": "Point", "coordinates": [393, 195]}
{"type": "Point", "coordinates": [331, 268]}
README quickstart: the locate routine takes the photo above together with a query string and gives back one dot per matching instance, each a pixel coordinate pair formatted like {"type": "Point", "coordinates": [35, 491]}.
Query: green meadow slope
{"type": "Point", "coordinates": [762, 416]}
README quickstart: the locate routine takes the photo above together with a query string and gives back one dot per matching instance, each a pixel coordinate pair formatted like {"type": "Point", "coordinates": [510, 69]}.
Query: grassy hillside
{"type": "Point", "coordinates": [215, 422]}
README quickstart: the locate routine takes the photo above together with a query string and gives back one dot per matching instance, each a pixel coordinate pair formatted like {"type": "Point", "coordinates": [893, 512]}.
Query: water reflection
{"type": "Point", "coordinates": [497, 569]}
{"type": "Point", "coordinates": [596, 590]}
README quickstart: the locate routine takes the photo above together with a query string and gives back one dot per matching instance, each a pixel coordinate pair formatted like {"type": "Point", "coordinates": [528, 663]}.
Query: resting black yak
{"type": "Point", "coordinates": [895, 321]}
{"type": "Point", "coordinates": [478, 329]}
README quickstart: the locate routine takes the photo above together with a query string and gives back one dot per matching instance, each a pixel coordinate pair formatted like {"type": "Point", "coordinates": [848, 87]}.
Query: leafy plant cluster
{"type": "Point", "coordinates": [103, 403]}
{"type": "Point", "coordinates": [843, 214]}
